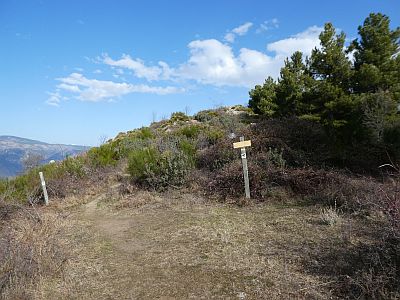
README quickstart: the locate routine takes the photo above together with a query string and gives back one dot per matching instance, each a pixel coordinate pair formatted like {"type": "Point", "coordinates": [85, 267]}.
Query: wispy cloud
{"type": "Point", "coordinates": [230, 37]}
{"type": "Point", "coordinates": [240, 30]}
{"type": "Point", "coordinates": [138, 66]}
{"type": "Point", "coordinates": [268, 25]}
{"type": "Point", "coordinates": [304, 41]}
{"type": "Point", "coordinates": [54, 98]}
{"type": "Point", "coordinates": [73, 88]}
{"type": "Point", "coordinates": [101, 90]}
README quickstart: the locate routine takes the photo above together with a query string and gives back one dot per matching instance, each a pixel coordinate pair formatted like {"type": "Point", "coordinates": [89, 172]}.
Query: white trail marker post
{"type": "Point", "coordinates": [46, 197]}
{"type": "Point", "coordinates": [242, 145]}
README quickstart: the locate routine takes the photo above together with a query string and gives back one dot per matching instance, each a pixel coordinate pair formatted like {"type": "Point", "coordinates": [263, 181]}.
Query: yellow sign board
{"type": "Point", "coordinates": [242, 144]}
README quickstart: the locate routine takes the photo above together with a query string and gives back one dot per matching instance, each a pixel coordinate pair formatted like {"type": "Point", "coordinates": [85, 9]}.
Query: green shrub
{"type": "Point", "coordinates": [143, 133]}
{"type": "Point", "coordinates": [239, 107]}
{"type": "Point", "coordinates": [74, 166]}
{"type": "Point", "coordinates": [51, 171]}
{"type": "Point", "coordinates": [3, 186]}
{"type": "Point", "coordinates": [191, 131]}
{"type": "Point", "coordinates": [20, 187]}
{"type": "Point", "coordinates": [143, 161]}
{"type": "Point", "coordinates": [275, 156]}
{"type": "Point", "coordinates": [188, 148]}
{"type": "Point", "coordinates": [214, 135]}
{"type": "Point", "coordinates": [179, 117]}
{"type": "Point", "coordinates": [205, 115]}
{"type": "Point", "coordinates": [158, 170]}
{"type": "Point", "coordinates": [229, 123]}
{"type": "Point", "coordinates": [104, 155]}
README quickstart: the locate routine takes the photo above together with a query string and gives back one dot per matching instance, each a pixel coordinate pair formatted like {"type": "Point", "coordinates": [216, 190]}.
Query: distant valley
{"type": "Point", "coordinates": [14, 149]}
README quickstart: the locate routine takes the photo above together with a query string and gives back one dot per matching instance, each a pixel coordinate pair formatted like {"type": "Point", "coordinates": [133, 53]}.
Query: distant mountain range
{"type": "Point", "coordinates": [14, 149]}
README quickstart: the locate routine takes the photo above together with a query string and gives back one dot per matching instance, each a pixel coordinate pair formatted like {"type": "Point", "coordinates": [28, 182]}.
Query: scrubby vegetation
{"type": "Point", "coordinates": [325, 134]}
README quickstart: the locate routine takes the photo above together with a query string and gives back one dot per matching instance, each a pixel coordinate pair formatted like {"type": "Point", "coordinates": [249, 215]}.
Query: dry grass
{"type": "Point", "coordinates": [117, 242]}
{"type": "Point", "coordinates": [330, 216]}
{"type": "Point", "coordinates": [173, 246]}
{"type": "Point", "coordinates": [30, 253]}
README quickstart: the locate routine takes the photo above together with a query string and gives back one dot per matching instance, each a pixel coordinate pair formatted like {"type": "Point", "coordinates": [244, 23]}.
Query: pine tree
{"type": "Point", "coordinates": [263, 98]}
{"type": "Point", "coordinates": [330, 63]}
{"type": "Point", "coordinates": [331, 102]}
{"type": "Point", "coordinates": [293, 83]}
{"type": "Point", "coordinates": [376, 56]}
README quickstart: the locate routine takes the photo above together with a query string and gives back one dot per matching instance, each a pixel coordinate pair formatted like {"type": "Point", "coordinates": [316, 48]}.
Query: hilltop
{"type": "Point", "coordinates": [159, 212]}
{"type": "Point", "coordinates": [14, 149]}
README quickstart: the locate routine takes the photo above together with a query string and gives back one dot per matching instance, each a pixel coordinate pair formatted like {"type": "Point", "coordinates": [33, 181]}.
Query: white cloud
{"type": "Point", "coordinates": [268, 25]}
{"type": "Point", "coordinates": [99, 90]}
{"type": "Point", "coordinates": [138, 67]}
{"type": "Point", "coordinates": [240, 30]}
{"type": "Point", "coordinates": [229, 37]}
{"type": "Point", "coordinates": [54, 98]}
{"type": "Point", "coordinates": [97, 71]}
{"type": "Point", "coordinates": [69, 88]}
{"type": "Point", "coordinates": [256, 66]}
{"type": "Point", "coordinates": [304, 41]}
{"type": "Point", "coordinates": [212, 62]}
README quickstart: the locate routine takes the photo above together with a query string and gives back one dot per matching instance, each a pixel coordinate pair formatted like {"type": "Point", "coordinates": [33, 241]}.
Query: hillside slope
{"type": "Point", "coordinates": [159, 212]}
{"type": "Point", "coordinates": [13, 149]}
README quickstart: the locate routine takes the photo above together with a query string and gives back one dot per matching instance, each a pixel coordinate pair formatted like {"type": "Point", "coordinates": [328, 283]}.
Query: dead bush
{"type": "Point", "coordinates": [29, 251]}
{"type": "Point", "coordinates": [216, 156]}
{"type": "Point", "coordinates": [7, 210]}
{"type": "Point", "coordinates": [228, 181]}
{"type": "Point", "coordinates": [362, 271]}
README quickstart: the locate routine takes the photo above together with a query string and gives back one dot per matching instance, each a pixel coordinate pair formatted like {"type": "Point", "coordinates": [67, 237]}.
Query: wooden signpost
{"type": "Point", "coordinates": [242, 145]}
{"type": "Point", "coordinates": [46, 197]}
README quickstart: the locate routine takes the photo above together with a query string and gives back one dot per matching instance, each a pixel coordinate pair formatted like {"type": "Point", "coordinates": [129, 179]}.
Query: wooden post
{"type": "Point", "coordinates": [242, 145]}
{"type": "Point", "coordinates": [46, 197]}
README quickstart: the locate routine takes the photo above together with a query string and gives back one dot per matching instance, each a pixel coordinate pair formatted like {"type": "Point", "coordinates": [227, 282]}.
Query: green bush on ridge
{"type": "Point", "coordinates": [158, 170]}
{"type": "Point", "coordinates": [105, 155]}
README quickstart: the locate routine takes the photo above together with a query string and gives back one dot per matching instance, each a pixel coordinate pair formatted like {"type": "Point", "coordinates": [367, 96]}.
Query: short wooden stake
{"type": "Point", "coordinates": [242, 145]}
{"type": "Point", "coordinates": [46, 197]}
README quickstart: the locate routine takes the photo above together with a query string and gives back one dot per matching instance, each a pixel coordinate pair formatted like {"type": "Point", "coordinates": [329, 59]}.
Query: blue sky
{"type": "Point", "coordinates": [77, 71]}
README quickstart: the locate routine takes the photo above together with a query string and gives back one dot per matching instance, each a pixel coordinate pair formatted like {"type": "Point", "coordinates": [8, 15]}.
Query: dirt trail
{"type": "Point", "coordinates": [188, 251]}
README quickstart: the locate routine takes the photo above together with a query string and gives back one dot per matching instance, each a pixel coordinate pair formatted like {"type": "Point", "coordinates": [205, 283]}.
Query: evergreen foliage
{"type": "Point", "coordinates": [376, 56]}
{"type": "Point", "coordinates": [355, 100]}
{"type": "Point", "coordinates": [263, 98]}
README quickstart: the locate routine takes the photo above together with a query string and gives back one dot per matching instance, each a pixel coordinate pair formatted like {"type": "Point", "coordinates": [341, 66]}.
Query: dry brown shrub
{"type": "Point", "coordinates": [30, 251]}
{"type": "Point", "coordinates": [7, 210]}
{"type": "Point", "coordinates": [345, 190]}
{"type": "Point", "coordinates": [362, 270]}
{"type": "Point", "coordinates": [216, 156]}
